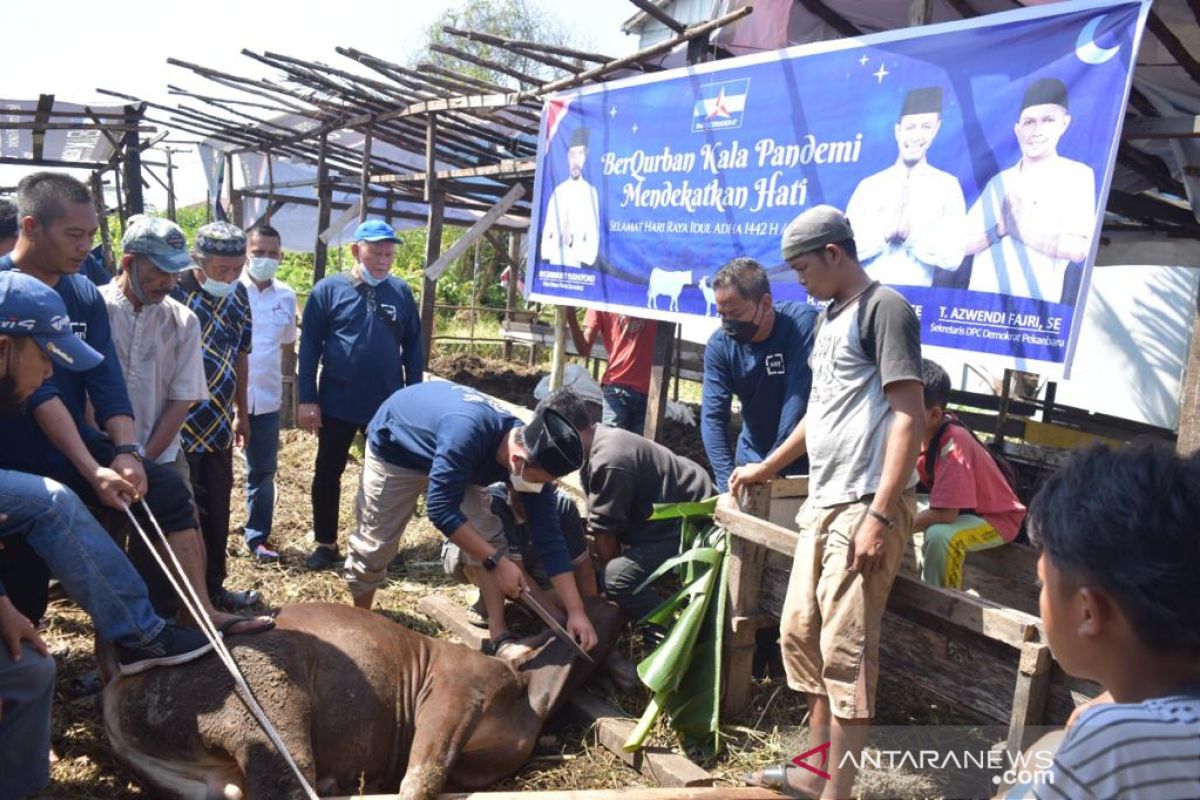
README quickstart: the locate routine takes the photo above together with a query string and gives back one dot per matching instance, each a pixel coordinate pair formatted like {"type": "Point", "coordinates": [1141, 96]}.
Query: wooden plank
{"type": "Point", "coordinates": [473, 233]}
{"type": "Point", "coordinates": [509, 167]}
{"type": "Point", "coordinates": [978, 615]}
{"type": "Point", "coordinates": [613, 730]}
{"type": "Point", "coordinates": [660, 379]}
{"type": "Point", "coordinates": [746, 562]}
{"type": "Point", "coordinates": [1029, 698]}
{"type": "Point", "coordinates": [631, 793]}
{"type": "Point", "coordinates": [756, 530]}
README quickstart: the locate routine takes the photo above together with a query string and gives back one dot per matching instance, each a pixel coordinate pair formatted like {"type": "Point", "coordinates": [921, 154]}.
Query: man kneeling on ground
{"type": "Point", "coordinates": [452, 443]}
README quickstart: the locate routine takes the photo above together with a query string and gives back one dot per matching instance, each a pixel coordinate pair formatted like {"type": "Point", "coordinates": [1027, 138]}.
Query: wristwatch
{"type": "Point", "coordinates": [135, 450]}
{"type": "Point", "coordinates": [888, 522]}
{"type": "Point", "coordinates": [492, 561]}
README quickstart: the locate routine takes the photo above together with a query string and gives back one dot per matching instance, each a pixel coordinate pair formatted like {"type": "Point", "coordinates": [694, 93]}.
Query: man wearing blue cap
{"type": "Point", "coordinates": [35, 332]}
{"type": "Point", "coordinates": [212, 292]}
{"type": "Point", "coordinates": [363, 330]}
{"type": "Point", "coordinates": [58, 222]}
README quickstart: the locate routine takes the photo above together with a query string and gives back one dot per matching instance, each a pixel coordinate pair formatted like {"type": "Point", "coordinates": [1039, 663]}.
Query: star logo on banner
{"type": "Point", "coordinates": [634, 128]}
{"type": "Point", "coordinates": [719, 109]}
{"type": "Point", "coordinates": [612, 112]}
{"type": "Point", "coordinates": [881, 73]}
{"type": "Point", "coordinates": [862, 62]}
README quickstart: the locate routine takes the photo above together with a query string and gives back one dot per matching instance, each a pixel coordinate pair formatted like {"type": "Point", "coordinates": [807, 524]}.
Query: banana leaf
{"type": "Point", "coordinates": [684, 672]}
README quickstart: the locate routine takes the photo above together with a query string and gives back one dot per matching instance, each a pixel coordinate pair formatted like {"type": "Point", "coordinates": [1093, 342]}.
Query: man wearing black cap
{"type": "Point", "coordinates": [862, 432]}
{"type": "Point", "coordinates": [451, 442]}
{"type": "Point", "coordinates": [909, 219]}
{"type": "Point", "coordinates": [571, 230]}
{"type": "Point", "coordinates": [1038, 216]}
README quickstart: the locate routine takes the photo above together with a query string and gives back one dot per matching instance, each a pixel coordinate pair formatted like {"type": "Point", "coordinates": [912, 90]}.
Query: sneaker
{"type": "Point", "coordinates": [322, 558]}
{"type": "Point", "coordinates": [477, 613]}
{"type": "Point", "coordinates": [263, 554]}
{"type": "Point", "coordinates": [173, 645]}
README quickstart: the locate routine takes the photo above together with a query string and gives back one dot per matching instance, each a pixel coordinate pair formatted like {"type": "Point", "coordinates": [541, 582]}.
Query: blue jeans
{"type": "Point", "coordinates": [262, 460]}
{"type": "Point", "coordinates": [93, 570]}
{"type": "Point", "coordinates": [26, 694]}
{"type": "Point", "coordinates": [626, 572]}
{"type": "Point", "coordinates": [624, 408]}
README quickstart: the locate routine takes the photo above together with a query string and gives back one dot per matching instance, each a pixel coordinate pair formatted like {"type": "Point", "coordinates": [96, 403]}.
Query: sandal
{"type": "Point", "coordinates": [774, 778]}
{"type": "Point", "coordinates": [236, 601]}
{"type": "Point", "coordinates": [226, 627]}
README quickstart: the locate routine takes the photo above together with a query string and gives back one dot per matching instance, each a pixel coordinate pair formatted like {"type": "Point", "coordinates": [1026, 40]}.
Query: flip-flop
{"type": "Point", "coordinates": [237, 600]}
{"type": "Point", "coordinates": [774, 778]}
{"type": "Point", "coordinates": [226, 627]}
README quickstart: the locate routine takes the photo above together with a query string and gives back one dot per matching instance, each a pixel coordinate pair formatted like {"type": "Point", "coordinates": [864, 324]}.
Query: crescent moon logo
{"type": "Point", "coordinates": [1086, 48]}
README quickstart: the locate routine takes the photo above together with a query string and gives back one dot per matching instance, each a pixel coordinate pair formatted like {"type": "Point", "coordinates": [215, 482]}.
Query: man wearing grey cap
{"type": "Point", "coordinates": [910, 218]}
{"type": "Point", "coordinates": [157, 337]}
{"type": "Point", "coordinates": [1038, 216]}
{"type": "Point", "coordinates": [862, 433]}
{"type": "Point", "coordinates": [212, 291]}
{"type": "Point", "coordinates": [571, 231]}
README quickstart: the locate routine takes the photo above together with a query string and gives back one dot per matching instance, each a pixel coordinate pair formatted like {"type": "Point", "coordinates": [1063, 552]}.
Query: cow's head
{"type": "Point", "coordinates": [551, 671]}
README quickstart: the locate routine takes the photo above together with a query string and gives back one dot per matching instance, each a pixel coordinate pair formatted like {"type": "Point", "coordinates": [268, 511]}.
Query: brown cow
{"type": "Point", "coordinates": [360, 702]}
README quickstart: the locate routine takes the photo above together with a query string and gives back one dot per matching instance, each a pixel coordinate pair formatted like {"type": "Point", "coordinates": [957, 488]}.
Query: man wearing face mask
{"type": "Point", "coordinates": [273, 306]}
{"type": "Point", "coordinates": [452, 443]}
{"type": "Point", "coordinates": [760, 355]}
{"type": "Point", "coordinates": [363, 329]}
{"type": "Point", "coordinates": [212, 291]}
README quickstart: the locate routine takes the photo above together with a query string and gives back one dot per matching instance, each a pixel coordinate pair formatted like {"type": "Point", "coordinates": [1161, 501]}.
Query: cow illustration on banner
{"type": "Point", "coordinates": [972, 159]}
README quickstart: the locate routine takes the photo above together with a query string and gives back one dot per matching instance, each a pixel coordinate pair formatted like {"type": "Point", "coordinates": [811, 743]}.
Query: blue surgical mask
{"type": "Point", "coordinates": [367, 277]}
{"type": "Point", "coordinates": [262, 269]}
{"type": "Point", "coordinates": [217, 289]}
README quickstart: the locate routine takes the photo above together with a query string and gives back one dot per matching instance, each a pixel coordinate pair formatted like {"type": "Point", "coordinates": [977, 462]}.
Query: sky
{"type": "Point", "coordinates": [70, 48]}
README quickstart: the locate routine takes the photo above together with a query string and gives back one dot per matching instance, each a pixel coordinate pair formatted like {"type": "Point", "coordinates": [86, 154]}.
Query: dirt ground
{"type": "Point", "coordinates": [567, 756]}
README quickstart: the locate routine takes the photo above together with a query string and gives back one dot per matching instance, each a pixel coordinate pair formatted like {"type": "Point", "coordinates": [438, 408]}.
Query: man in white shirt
{"type": "Point", "coordinates": [571, 232]}
{"type": "Point", "coordinates": [1037, 217]}
{"type": "Point", "coordinates": [273, 309]}
{"type": "Point", "coordinates": [157, 338]}
{"type": "Point", "coordinates": [909, 219]}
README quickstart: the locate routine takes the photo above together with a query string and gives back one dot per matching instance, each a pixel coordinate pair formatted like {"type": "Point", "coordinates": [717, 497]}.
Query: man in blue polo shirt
{"type": "Point", "coordinates": [451, 442]}
{"type": "Point", "coordinates": [363, 329]}
{"type": "Point", "coordinates": [58, 221]}
{"type": "Point", "coordinates": [761, 356]}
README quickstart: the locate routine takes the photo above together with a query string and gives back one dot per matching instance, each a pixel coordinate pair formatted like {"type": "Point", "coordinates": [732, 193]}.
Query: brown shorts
{"type": "Point", "coordinates": [829, 629]}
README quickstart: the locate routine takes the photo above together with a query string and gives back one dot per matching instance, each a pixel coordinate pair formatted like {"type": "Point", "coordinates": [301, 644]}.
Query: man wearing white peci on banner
{"type": "Point", "coordinates": [1037, 217]}
{"type": "Point", "coordinates": [909, 219]}
{"type": "Point", "coordinates": [571, 233]}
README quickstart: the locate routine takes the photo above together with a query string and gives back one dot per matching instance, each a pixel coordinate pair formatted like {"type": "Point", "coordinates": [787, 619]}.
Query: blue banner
{"type": "Point", "coordinates": [972, 159]}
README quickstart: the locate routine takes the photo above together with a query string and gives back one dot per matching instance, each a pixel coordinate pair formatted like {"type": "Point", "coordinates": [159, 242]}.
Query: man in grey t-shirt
{"type": "Point", "coordinates": [862, 433]}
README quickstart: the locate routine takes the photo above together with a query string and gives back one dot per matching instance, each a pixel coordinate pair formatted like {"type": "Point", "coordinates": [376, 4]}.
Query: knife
{"type": "Point", "coordinates": [552, 623]}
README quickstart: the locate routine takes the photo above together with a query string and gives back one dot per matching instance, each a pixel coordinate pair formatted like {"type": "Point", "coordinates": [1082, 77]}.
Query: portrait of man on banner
{"type": "Point", "coordinates": [571, 231]}
{"type": "Point", "coordinates": [1037, 217]}
{"type": "Point", "coordinates": [910, 219]}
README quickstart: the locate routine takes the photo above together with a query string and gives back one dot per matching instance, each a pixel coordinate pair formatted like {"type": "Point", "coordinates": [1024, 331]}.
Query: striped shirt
{"type": "Point", "coordinates": [1145, 750]}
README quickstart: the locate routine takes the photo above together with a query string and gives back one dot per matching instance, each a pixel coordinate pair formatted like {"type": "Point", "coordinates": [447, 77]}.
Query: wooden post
{"type": "Point", "coordinates": [102, 213]}
{"type": "Point", "coordinates": [235, 197]}
{"type": "Point", "coordinates": [134, 204]}
{"type": "Point", "coordinates": [324, 207]}
{"type": "Point", "coordinates": [746, 561]}
{"type": "Point", "coordinates": [364, 183]}
{"type": "Point", "coordinates": [1002, 412]}
{"type": "Point", "coordinates": [121, 215]}
{"type": "Point", "coordinates": [170, 187]}
{"type": "Point", "coordinates": [660, 379]}
{"type": "Point", "coordinates": [1189, 405]}
{"type": "Point", "coordinates": [558, 358]}
{"type": "Point", "coordinates": [1029, 697]}
{"type": "Point", "coordinates": [270, 189]}
{"type": "Point", "coordinates": [287, 413]}
{"type": "Point", "coordinates": [433, 241]}
{"type": "Point", "coordinates": [514, 277]}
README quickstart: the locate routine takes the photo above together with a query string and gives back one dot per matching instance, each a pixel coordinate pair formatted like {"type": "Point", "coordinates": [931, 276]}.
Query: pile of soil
{"type": "Point", "coordinates": [514, 383]}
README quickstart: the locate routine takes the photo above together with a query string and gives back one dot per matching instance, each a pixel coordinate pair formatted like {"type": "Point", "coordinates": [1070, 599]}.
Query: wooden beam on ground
{"type": "Point", "coordinates": [632, 793]}
{"type": "Point", "coordinates": [660, 379]}
{"type": "Point", "coordinates": [473, 233]}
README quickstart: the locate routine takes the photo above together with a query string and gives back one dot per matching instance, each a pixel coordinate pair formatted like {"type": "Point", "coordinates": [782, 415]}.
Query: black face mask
{"type": "Point", "coordinates": [741, 330]}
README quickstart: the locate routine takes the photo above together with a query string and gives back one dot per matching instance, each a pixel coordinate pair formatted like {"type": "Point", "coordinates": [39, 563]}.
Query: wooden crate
{"type": "Point", "coordinates": [980, 650]}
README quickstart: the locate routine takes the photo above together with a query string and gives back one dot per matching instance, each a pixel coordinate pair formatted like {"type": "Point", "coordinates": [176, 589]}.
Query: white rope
{"type": "Point", "coordinates": [192, 604]}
